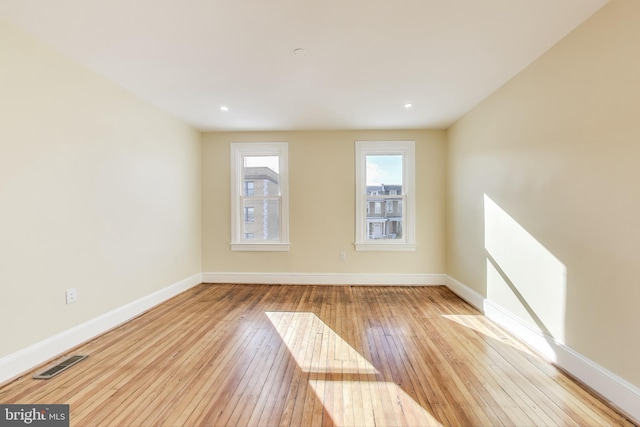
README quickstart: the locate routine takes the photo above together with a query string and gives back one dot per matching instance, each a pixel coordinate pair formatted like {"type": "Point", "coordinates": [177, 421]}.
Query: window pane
{"type": "Point", "coordinates": [249, 214]}
{"type": "Point", "coordinates": [384, 223]}
{"type": "Point", "coordinates": [264, 174]}
{"type": "Point", "coordinates": [384, 178]}
{"type": "Point", "coordinates": [249, 187]}
{"type": "Point", "coordinates": [266, 219]}
{"type": "Point", "coordinates": [384, 173]}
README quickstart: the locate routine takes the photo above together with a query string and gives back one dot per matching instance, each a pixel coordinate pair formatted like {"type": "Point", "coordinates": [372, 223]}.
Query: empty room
{"type": "Point", "coordinates": [319, 213]}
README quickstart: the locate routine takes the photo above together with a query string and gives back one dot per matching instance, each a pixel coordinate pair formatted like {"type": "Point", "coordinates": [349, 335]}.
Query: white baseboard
{"type": "Point", "coordinates": [531, 335]}
{"type": "Point", "coordinates": [24, 360]}
{"type": "Point", "coordinates": [464, 292]}
{"type": "Point", "coordinates": [326, 279]}
{"type": "Point", "coordinates": [619, 392]}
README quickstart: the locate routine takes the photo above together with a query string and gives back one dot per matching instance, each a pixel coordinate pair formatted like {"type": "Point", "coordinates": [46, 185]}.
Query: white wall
{"type": "Point", "coordinates": [99, 191]}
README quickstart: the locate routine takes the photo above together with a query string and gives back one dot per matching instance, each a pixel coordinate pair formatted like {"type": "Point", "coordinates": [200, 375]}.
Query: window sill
{"type": "Point", "coordinates": [260, 247]}
{"type": "Point", "coordinates": [385, 246]}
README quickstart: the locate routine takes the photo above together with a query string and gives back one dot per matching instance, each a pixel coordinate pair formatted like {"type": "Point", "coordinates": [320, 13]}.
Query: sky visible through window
{"type": "Point", "coordinates": [384, 169]}
{"type": "Point", "coordinates": [272, 162]}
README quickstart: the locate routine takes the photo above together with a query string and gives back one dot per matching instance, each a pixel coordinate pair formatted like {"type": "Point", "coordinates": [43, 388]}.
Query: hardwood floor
{"type": "Point", "coordinates": [313, 355]}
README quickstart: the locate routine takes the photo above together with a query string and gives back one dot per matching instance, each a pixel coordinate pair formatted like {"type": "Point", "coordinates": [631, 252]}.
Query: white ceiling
{"type": "Point", "coordinates": [366, 58]}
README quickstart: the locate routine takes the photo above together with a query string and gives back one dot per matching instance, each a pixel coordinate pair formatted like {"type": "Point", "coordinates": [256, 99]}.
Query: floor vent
{"type": "Point", "coordinates": [55, 370]}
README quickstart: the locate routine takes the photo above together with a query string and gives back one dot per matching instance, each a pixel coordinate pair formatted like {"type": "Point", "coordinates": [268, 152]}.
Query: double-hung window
{"type": "Point", "coordinates": [259, 197]}
{"type": "Point", "coordinates": [385, 176]}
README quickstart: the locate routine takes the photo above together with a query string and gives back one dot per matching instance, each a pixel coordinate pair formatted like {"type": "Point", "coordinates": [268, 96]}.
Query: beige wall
{"type": "Point", "coordinates": [547, 167]}
{"type": "Point", "coordinates": [322, 204]}
{"type": "Point", "coordinates": [98, 191]}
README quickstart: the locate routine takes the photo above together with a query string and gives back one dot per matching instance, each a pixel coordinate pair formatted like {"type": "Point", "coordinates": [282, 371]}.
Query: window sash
{"type": "Point", "coordinates": [403, 209]}
{"type": "Point", "coordinates": [263, 227]}
{"type": "Point", "coordinates": [396, 214]}
{"type": "Point", "coordinates": [241, 196]}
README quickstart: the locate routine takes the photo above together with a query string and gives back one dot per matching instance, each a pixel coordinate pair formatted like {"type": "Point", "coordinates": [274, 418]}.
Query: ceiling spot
{"type": "Point", "coordinates": [300, 53]}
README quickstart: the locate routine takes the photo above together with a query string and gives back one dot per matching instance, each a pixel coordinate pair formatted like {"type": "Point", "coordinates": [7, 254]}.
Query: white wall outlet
{"type": "Point", "coordinates": [343, 256]}
{"type": "Point", "coordinates": [72, 295]}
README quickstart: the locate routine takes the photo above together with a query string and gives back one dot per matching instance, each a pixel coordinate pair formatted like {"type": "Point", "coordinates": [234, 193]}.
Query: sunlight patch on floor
{"type": "Point", "coordinates": [316, 347]}
{"type": "Point", "coordinates": [382, 404]}
{"type": "Point", "coordinates": [361, 400]}
{"type": "Point", "coordinates": [479, 324]}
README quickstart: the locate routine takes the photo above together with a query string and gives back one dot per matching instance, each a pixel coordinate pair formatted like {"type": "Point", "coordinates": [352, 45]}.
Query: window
{"type": "Point", "coordinates": [249, 215]}
{"type": "Point", "coordinates": [249, 186]}
{"type": "Point", "coordinates": [259, 197]}
{"type": "Point", "coordinates": [385, 174]}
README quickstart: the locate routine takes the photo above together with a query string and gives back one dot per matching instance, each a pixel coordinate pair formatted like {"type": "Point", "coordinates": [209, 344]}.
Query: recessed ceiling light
{"type": "Point", "coordinates": [408, 105]}
{"type": "Point", "coordinates": [224, 108]}
{"type": "Point", "coordinates": [300, 53]}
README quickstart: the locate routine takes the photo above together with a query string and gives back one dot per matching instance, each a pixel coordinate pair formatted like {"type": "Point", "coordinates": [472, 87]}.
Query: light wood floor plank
{"type": "Point", "coordinates": [268, 355]}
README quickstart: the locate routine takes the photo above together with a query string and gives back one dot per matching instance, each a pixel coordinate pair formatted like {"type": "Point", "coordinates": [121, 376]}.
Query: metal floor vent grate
{"type": "Point", "coordinates": [55, 370]}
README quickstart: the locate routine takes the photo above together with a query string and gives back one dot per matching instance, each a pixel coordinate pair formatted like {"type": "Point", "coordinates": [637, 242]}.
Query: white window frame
{"type": "Point", "coordinates": [407, 150]}
{"type": "Point", "coordinates": [240, 150]}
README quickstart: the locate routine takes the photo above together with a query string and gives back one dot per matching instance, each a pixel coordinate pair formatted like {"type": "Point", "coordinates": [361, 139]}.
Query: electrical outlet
{"type": "Point", "coordinates": [72, 295]}
{"type": "Point", "coordinates": [343, 256]}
